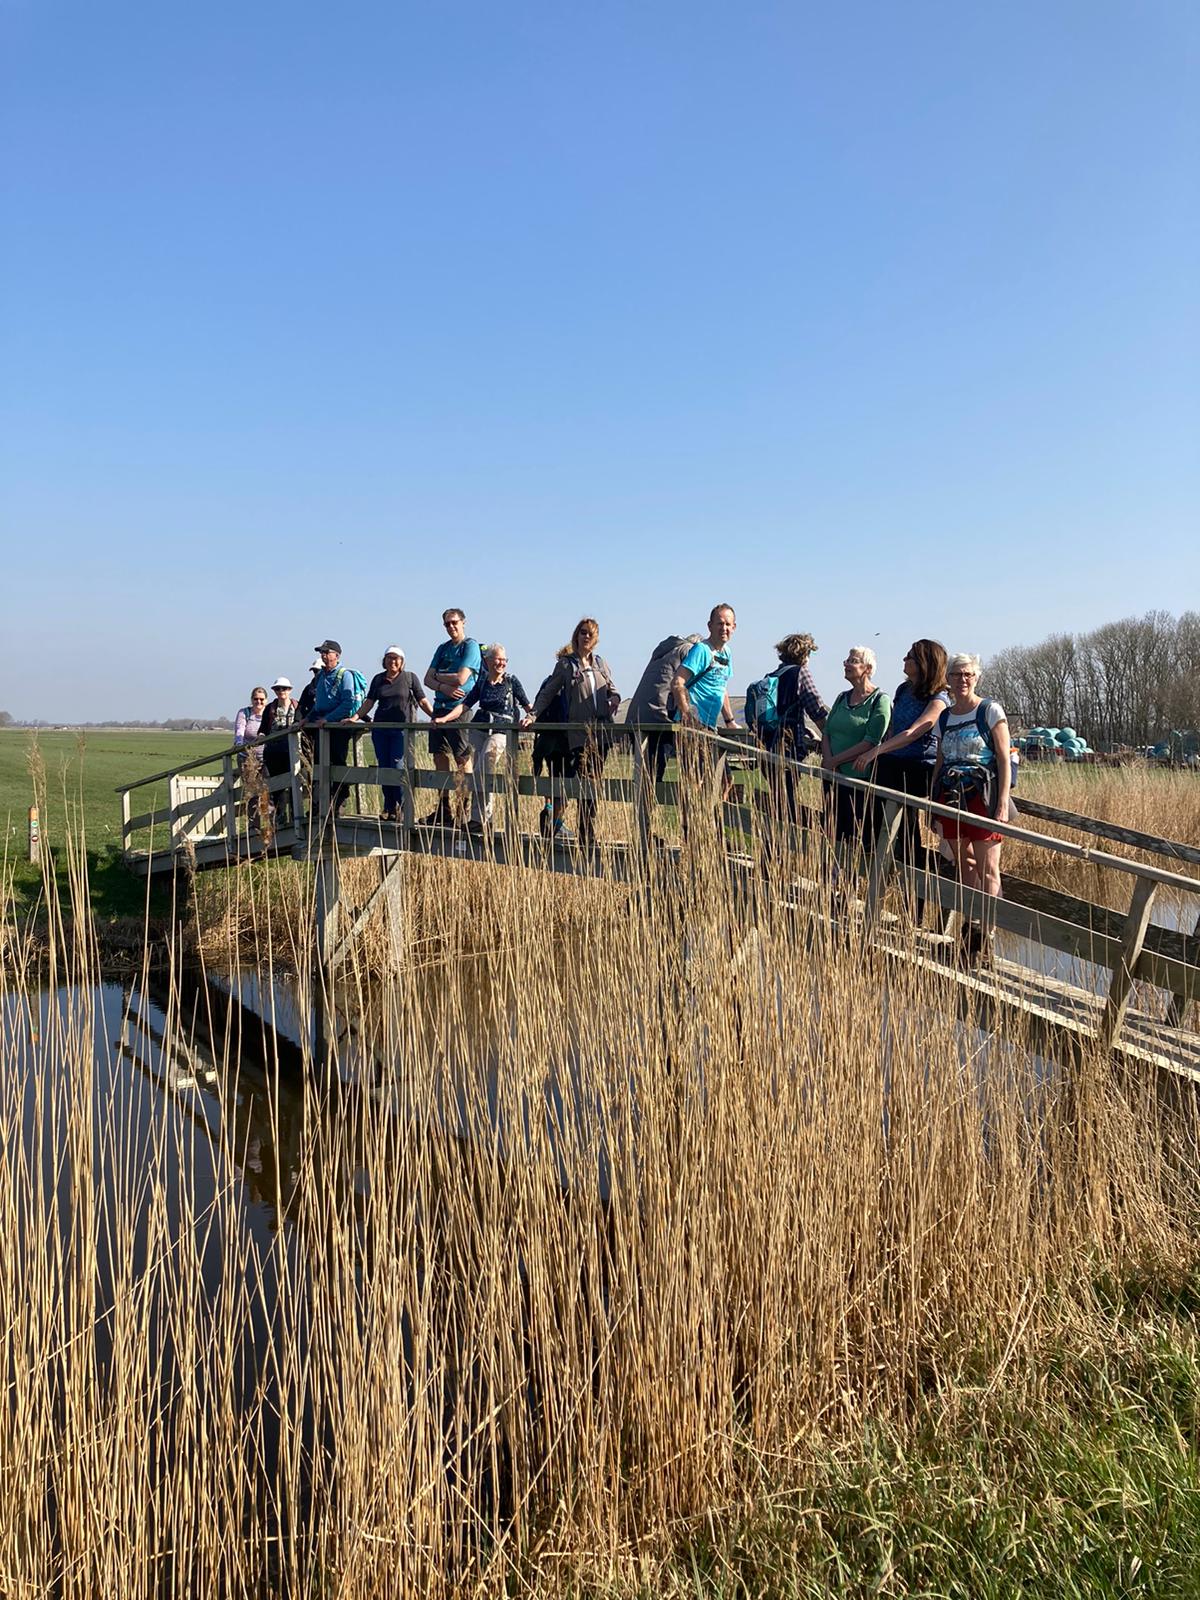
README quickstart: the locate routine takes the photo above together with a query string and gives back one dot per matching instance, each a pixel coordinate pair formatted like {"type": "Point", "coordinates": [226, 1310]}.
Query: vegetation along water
{"type": "Point", "coordinates": [613, 1255]}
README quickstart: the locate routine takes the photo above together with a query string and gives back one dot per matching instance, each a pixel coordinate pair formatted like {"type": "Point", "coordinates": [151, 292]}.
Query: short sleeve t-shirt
{"type": "Point", "coordinates": [398, 700]}
{"type": "Point", "coordinates": [710, 673]}
{"type": "Point", "coordinates": [906, 708]}
{"type": "Point", "coordinates": [451, 657]}
{"type": "Point", "coordinates": [848, 725]}
{"type": "Point", "coordinates": [962, 743]}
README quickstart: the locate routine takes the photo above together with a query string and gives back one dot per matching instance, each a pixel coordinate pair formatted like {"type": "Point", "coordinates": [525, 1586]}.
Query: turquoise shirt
{"type": "Point", "coordinates": [451, 657]}
{"type": "Point", "coordinates": [710, 674]}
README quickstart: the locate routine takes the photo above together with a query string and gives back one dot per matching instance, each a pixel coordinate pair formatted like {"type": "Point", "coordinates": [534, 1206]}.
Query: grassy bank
{"type": "Point", "coordinates": [636, 1257]}
{"type": "Point", "coordinates": [75, 777]}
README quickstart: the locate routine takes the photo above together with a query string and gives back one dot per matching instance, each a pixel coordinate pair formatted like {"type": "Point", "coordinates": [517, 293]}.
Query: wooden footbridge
{"type": "Point", "coordinates": [1078, 971]}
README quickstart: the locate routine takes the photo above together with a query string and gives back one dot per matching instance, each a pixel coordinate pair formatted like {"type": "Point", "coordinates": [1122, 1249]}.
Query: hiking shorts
{"type": "Point", "coordinates": [451, 741]}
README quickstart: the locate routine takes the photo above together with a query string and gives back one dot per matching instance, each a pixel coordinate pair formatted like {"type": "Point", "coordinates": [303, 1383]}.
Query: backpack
{"type": "Point", "coordinates": [762, 708]}
{"type": "Point", "coordinates": [358, 684]}
{"type": "Point", "coordinates": [985, 733]}
{"type": "Point", "coordinates": [649, 703]}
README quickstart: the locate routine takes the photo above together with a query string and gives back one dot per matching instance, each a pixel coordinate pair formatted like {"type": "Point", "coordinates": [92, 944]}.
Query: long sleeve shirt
{"type": "Point", "coordinates": [335, 699]}
{"type": "Point", "coordinates": [798, 697]}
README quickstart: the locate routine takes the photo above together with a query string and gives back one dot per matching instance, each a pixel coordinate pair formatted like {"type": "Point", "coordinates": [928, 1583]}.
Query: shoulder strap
{"type": "Point", "coordinates": [981, 722]}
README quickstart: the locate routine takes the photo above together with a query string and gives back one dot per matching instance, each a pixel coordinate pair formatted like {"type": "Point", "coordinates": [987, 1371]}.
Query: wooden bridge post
{"type": "Point", "coordinates": [294, 764]}
{"type": "Point", "coordinates": [641, 799]}
{"type": "Point", "coordinates": [321, 776]}
{"type": "Point", "coordinates": [512, 799]}
{"type": "Point", "coordinates": [883, 860]}
{"type": "Point", "coordinates": [409, 792]}
{"type": "Point", "coordinates": [1141, 903]}
{"type": "Point", "coordinates": [329, 897]}
{"type": "Point", "coordinates": [230, 806]}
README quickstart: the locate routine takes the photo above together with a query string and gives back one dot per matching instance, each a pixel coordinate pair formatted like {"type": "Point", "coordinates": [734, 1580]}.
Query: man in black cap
{"type": "Point", "coordinates": [338, 697]}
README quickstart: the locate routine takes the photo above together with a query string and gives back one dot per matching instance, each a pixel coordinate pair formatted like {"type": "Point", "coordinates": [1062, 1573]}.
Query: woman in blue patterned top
{"type": "Point", "coordinates": [499, 703]}
{"type": "Point", "coordinates": [905, 758]}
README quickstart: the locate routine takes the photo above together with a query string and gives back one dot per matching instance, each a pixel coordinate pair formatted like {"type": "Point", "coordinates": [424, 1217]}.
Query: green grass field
{"type": "Point", "coordinates": [82, 772]}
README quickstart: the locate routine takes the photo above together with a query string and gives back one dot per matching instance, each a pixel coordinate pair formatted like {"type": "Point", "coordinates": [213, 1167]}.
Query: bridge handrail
{"type": "Point", "coordinates": [923, 805]}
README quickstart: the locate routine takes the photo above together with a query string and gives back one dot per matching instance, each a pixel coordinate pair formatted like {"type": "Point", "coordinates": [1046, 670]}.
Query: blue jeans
{"type": "Point", "coordinates": [389, 752]}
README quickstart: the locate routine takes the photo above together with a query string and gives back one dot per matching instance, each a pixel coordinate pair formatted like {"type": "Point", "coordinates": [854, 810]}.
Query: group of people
{"type": "Point", "coordinates": [935, 737]}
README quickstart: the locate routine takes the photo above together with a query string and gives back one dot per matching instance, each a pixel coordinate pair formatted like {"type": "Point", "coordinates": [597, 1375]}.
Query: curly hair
{"type": "Point", "coordinates": [795, 648]}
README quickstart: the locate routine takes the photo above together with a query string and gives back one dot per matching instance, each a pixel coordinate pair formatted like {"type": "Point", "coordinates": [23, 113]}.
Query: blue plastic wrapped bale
{"type": "Point", "coordinates": [1068, 733]}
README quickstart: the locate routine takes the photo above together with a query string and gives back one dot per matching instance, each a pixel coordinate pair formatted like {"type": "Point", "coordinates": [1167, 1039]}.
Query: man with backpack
{"type": "Point", "coordinates": [456, 664]}
{"type": "Point", "coordinates": [648, 709]}
{"type": "Point", "coordinates": [339, 691]}
{"type": "Point", "coordinates": [700, 692]}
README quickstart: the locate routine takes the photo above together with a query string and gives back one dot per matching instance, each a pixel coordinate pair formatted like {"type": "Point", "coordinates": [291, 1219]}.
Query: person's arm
{"type": "Point", "coordinates": [239, 728]}
{"type": "Point", "coordinates": [522, 699]}
{"type": "Point", "coordinates": [454, 683]}
{"type": "Point", "coordinates": [363, 714]}
{"type": "Point", "coordinates": [433, 678]}
{"type": "Point", "coordinates": [921, 726]}
{"type": "Point", "coordinates": [809, 698]}
{"type": "Point", "coordinates": [470, 699]}
{"type": "Point", "coordinates": [1002, 748]}
{"type": "Point", "coordinates": [727, 716]}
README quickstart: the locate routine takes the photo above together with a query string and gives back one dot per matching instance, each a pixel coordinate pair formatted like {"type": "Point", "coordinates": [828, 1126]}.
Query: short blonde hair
{"type": "Point", "coordinates": [960, 660]}
{"type": "Point", "coordinates": [865, 654]}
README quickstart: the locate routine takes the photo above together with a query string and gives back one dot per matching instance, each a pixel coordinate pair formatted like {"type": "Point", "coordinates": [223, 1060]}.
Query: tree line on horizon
{"type": "Point", "coordinates": [170, 725]}
{"type": "Point", "coordinates": [1126, 683]}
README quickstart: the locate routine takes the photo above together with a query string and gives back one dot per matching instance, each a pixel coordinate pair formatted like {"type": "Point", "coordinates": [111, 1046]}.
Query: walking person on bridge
{"type": "Point", "coordinates": [337, 699]}
{"type": "Point", "coordinates": [856, 723]}
{"type": "Point", "coordinates": [457, 663]}
{"type": "Point", "coordinates": [700, 691]}
{"type": "Point", "coordinates": [648, 708]}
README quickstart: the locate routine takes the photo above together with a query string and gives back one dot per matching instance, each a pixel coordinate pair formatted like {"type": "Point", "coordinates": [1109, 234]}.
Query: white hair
{"type": "Point", "coordinates": [960, 660]}
{"type": "Point", "coordinates": [865, 654]}
{"type": "Point", "coordinates": [490, 650]}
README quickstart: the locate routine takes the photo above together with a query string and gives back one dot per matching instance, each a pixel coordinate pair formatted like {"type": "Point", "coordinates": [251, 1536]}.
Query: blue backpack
{"type": "Point", "coordinates": [985, 733]}
{"type": "Point", "coordinates": [762, 709]}
{"type": "Point", "coordinates": [358, 684]}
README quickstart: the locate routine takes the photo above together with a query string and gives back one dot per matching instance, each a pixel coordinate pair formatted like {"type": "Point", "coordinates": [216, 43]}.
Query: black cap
{"type": "Point", "coordinates": [328, 644]}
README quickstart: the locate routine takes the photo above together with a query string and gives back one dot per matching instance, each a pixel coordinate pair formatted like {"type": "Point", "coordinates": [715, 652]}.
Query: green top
{"type": "Point", "coordinates": [849, 725]}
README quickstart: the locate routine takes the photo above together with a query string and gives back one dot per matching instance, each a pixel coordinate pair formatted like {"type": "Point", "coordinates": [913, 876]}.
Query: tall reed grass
{"type": "Point", "coordinates": [613, 1206]}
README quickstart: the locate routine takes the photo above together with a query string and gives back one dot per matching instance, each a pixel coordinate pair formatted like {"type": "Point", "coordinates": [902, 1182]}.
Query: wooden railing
{"type": "Point", "coordinates": [205, 815]}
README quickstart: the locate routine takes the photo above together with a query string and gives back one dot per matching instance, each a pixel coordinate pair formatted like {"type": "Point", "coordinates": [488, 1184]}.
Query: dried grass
{"type": "Point", "coordinates": [637, 1193]}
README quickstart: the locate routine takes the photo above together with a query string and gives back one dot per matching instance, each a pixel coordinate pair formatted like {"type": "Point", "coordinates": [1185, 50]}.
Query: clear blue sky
{"type": "Point", "coordinates": [876, 320]}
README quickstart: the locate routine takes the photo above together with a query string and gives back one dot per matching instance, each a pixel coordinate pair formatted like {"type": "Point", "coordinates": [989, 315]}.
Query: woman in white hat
{"type": "Point", "coordinates": [282, 714]}
{"type": "Point", "coordinates": [397, 694]}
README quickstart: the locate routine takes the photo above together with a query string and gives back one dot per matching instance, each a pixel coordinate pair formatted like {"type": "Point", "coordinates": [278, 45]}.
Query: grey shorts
{"type": "Point", "coordinates": [450, 741]}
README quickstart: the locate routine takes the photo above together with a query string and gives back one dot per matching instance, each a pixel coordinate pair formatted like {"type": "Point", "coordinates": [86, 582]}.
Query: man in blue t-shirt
{"type": "Point", "coordinates": [701, 691]}
{"type": "Point", "coordinates": [455, 666]}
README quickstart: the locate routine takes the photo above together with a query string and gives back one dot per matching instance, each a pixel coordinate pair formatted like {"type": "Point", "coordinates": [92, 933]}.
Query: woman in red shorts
{"type": "Point", "coordinates": [973, 772]}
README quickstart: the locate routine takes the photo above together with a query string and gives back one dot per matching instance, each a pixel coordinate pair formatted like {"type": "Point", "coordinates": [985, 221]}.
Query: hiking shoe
{"type": "Point", "coordinates": [563, 835]}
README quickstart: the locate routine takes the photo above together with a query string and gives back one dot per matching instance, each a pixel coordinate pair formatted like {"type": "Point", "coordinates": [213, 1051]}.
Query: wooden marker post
{"type": "Point", "coordinates": [35, 835]}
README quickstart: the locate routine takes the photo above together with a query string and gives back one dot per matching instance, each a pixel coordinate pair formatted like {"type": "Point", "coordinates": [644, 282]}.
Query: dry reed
{"type": "Point", "coordinates": [614, 1203]}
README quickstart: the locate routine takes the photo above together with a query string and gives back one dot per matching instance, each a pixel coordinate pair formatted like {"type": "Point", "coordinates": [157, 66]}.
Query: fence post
{"type": "Point", "coordinates": [512, 800]}
{"type": "Point", "coordinates": [230, 804]}
{"type": "Point", "coordinates": [294, 759]}
{"type": "Point", "coordinates": [321, 774]}
{"type": "Point", "coordinates": [883, 860]}
{"type": "Point", "coordinates": [641, 799]}
{"type": "Point", "coordinates": [408, 799]}
{"type": "Point", "coordinates": [1141, 903]}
